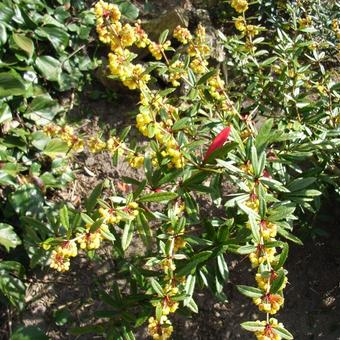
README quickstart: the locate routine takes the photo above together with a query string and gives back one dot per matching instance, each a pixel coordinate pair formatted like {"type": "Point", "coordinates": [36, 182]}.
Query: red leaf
{"type": "Point", "coordinates": [218, 142]}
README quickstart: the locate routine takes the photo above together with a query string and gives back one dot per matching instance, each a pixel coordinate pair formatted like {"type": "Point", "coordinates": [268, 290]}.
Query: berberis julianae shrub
{"type": "Point", "coordinates": [201, 134]}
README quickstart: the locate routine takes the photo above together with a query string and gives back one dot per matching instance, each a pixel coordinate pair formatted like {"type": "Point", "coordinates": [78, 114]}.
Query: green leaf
{"type": "Point", "coordinates": [300, 183]}
{"type": "Point", "coordinates": [249, 291]}
{"type": "Point", "coordinates": [276, 285]}
{"type": "Point", "coordinates": [189, 289]}
{"type": "Point", "coordinates": [283, 333]}
{"type": "Point", "coordinates": [58, 37]}
{"type": "Point", "coordinates": [56, 148]}
{"type": "Point", "coordinates": [222, 267]}
{"type": "Point", "coordinates": [247, 249]}
{"type": "Point", "coordinates": [97, 224]}
{"type": "Point", "coordinates": [28, 333]}
{"type": "Point", "coordinates": [191, 304]}
{"type": "Point", "coordinates": [129, 10]}
{"type": "Point", "coordinates": [91, 202]}
{"type": "Point", "coordinates": [163, 36]}
{"type": "Point", "coordinates": [11, 84]}
{"type": "Point", "coordinates": [3, 34]}
{"type": "Point", "coordinates": [64, 218]}
{"type": "Point", "coordinates": [27, 199]}
{"type": "Point", "coordinates": [49, 67]}
{"type": "Point", "coordinates": [24, 43]}
{"type": "Point", "coordinates": [127, 235]}
{"type": "Point", "coordinates": [194, 262]}
{"type": "Point", "coordinates": [42, 110]}
{"type": "Point", "coordinates": [255, 228]}
{"type": "Point", "coordinates": [86, 218]}
{"type": "Point", "coordinates": [283, 256]}
{"type": "Point", "coordinates": [252, 326]}
{"type": "Point", "coordinates": [181, 124]}
{"type": "Point", "coordinates": [8, 238]}
{"type": "Point", "coordinates": [5, 113]}
{"type": "Point", "coordinates": [13, 288]}
{"type": "Point", "coordinates": [158, 197]}
{"type": "Point", "coordinates": [156, 287]}
{"type": "Point", "coordinates": [283, 232]}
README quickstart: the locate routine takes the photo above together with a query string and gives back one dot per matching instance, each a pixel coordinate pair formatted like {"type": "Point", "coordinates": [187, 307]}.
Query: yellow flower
{"type": "Point", "coordinates": [137, 78]}
{"type": "Point", "coordinates": [261, 255]}
{"type": "Point", "coordinates": [160, 329]}
{"type": "Point", "coordinates": [268, 332]}
{"type": "Point", "coordinates": [59, 262]}
{"type": "Point", "coordinates": [90, 241]}
{"type": "Point", "coordinates": [182, 34]}
{"type": "Point", "coordinates": [269, 303]}
{"type": "Point", "coordinates": [157, 50]}
{"type": "Point", "coordinates": [240, 6]}
{"type": "Point", "coordinates": [240, 24]}
{"type": "Point", "coordinates": [305, 22]}
{"type": "Point", "coordinates": [96, 145]}
{"type": "Point", "coordinates": [199, 66]}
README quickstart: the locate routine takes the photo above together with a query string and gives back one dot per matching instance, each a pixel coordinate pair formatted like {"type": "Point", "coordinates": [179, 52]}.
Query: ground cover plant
{"type": "Point", "coordinates": [230, 155]}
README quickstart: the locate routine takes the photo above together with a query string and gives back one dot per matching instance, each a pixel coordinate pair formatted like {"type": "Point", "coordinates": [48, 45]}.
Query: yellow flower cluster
{"type": "Point", "coordinates": [198, 47]}
{"type": "Point", "coordinates": [176, 72]}
{"type": "Point", "coordinates": [252, 202]}
{"type": "Point", "coordinates": [305, 22]}
{"type": "Point", "coordinates": [95, 144]}
{"type": "Point", "coordinates": [125, 213]}
{"type": "Point", "coordinates": [268, 332]}
{"type": "Point", "coordinates": [269, 303]}
{"type": "Point", "coordinates": [240, 23]}
{"type": "Point", "coordinates": [268, 229]}
{"type": "Point", "coordinates": [335, 27]}
{"type": "Point", "coordinates": [136, 161]}
{"type": "Point", "coordinates": [265, 279]}
{"type": "Point", "coordinates": [149, 127]}
{"type": "Point", "coordinates": [66, 133]}
{"type": "Point", "coordinates": [182, 34]}
{"type": "Point", "coordinates": [262, 255]}
{"type": "Point", "coordinates": [160, 329]}
{"type": "Point", "coordinates": [60, 257]}
{"type": "Point", "coordinates": [157, 50]}
{"type": "Point", "coordinates": [119, 37]}
{"type": "Point", "coordinates": [239, 6]}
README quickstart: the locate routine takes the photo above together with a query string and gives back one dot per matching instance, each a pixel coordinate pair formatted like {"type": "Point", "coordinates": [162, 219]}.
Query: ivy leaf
{"type": "Point", "coordinates": [11, 84]}
{"type": "Point", "coordinates": [8, 238]}
{"type": "Point", "coordinates": [56, 148]}
{"type": "Point", "coordinates": [24, 43]}
{"type": "Point", "coordinates": [49, 67]}
{"type": "Point", "coordinates": [129, 10]}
